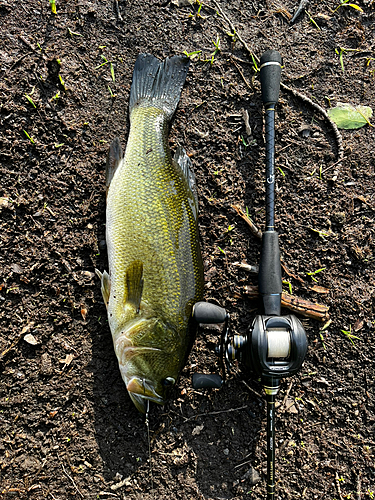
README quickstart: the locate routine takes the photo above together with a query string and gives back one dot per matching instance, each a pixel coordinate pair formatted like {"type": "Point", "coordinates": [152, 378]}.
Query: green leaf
{"type": "Point", "coordinates": [355, 6]}
{"type": "Point", "coordinates": [53, 6]}
{"type": "Point", "coordinates": [347, 116]}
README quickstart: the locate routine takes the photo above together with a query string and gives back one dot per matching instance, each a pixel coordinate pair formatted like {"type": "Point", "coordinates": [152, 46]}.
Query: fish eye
{"type": "Point", "coordinates": [168, 382]}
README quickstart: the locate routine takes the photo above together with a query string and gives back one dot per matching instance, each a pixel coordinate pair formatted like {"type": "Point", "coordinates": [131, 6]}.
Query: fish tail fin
{"type": "Point", "coordinates": [158, 83]}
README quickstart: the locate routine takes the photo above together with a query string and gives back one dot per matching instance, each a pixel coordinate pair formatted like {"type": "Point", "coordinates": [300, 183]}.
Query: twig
{"type": "Point", "coordinates": [322, 111]}
{"type": "Point", "coordinates": [118, 11]}
{"type": "Point", "coordinates": [216, 412]}
{"type": "Point", "coordinates": [242, 75]}
{"type": "Point", "coordinates": [287, 393]}
{"type": "Point", "coordinates": [359, 486]}
{"type": "Point", "coordinates": [289, 273]}
{"type": "Point", "coordinates": [337, 480]}
{"type": "Point", "coordinates": [235, 31]}
{"type": "Point", "coordinates": [304, 307]}
{"type": "Point", "coordinates": [72, 480]}
{"type": "Point", "coordinates": [251, 390]}
{"type": "Point", "coordinates": [256, 232]}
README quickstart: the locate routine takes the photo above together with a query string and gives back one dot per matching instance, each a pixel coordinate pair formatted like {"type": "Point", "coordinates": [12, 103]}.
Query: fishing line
{"type": "Point", "coordinates": [149, 443]}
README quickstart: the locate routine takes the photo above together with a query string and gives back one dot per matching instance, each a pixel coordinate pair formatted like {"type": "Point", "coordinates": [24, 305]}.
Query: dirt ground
{"type": "Point", "coordinates": [67, 426]}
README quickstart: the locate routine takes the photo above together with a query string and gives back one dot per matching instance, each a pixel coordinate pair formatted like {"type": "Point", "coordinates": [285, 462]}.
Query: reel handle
{"type": "Point", "coordinates": [207, 313]}
{"type": "Point", "coordinates": [203, 381]}
{"type": "Point", "coordinates": [270, 75]}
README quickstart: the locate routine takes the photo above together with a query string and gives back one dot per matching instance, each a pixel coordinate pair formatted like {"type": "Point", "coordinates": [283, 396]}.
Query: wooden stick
{"type": "Point", "coordinates": [304, 307]}
{"type": "Point", "coordinates": [256, 232]}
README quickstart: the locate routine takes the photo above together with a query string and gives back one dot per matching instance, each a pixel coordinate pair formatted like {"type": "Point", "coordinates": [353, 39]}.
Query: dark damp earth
{"type": "Point", "coordinates": [68, 428]}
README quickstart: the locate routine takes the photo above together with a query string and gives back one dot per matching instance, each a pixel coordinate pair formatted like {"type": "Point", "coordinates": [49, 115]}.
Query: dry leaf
{"type": "Point", "coordinates": [83, 312]}
{"type": "Point", "coordinates": [27, 327]}
{"type": "Point", "coordinates": [4, 202]}
{"type": "Point", "coordinates": [69, 358]}
{"type": "Point", "coordinates": [197, 430]}
{"type": "Point", "coordinates": [16, 268]}
{"type": "Point", "coordinates": [358, 325]}
{"type": "Point", "coordinates": [319, 289]}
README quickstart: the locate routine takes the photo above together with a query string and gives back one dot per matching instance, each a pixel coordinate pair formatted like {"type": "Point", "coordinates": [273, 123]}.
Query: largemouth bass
{"type": "Point", "coordinates": [155, 266]}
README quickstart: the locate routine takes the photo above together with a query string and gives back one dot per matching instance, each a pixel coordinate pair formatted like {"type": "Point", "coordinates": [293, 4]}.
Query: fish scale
{"type": "Point", "coordinates": [155, 266]}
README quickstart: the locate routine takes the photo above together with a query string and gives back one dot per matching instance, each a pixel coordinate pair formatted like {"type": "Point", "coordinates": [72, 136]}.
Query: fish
{"type": "Point", "coordinates": [155, 265]}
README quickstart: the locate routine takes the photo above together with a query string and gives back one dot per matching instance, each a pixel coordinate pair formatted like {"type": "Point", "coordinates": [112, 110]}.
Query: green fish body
{"type": "Point", "coordinates": [155, 266]}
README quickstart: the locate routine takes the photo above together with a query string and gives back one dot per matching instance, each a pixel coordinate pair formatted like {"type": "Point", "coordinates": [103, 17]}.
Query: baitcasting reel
{"type": "Point", "coordinates": [274, 346]}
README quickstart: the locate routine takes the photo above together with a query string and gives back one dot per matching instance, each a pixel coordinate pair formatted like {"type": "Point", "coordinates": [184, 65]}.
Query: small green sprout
{"type": "Point", "coordinates": [341, 57]}
{"type": "Point", "coordinates": [112, 72]}
{"type": "Point", "coordinates": [322, 339]}
{"type": "Point", "coordinates": [221, 250]}
{"type": "Point", "coordinates": [71, 33]}
{"type": "Point", "coordinates": [312, 20]}
{"type": "Point", "coordinates": [192, 55]}
{"type": "Point", "coordinates": [57, 96]}
{"type": "Point", "coordinates": [244, 142]}
{"type": "Point", "coordinates": [217, 49]}
{"type": "Point", "coordinates": [62, 82]}
{"type": "Point", "coordinates": [110, 91]}
{"type": "Point", "coordinates": [255, 65]}
{"type": "Point", "coordinates": [103, 64]}
{"type": "Point", "coordinates": [289, 286]}
{"type": "Point", "coordinates": [312, 274]}
{"type": "Point", "coordinates": [30, 138]}
{"type": "Point", "coordinates": [53, 6]}
{"type": "Point", "coordinates": [348, 333]}
{"type": "Point", "coordinates": [281, 172]}
{"type": "Point", "coordinates": [199, 8]}
{"type": "Point", "coordinates": [321, 234]}
{"type": "Point", "coordinates": [345, 3]}
{"type": "Point", "coordinates": [30, 100]}
{"type": "Point", "coordinates": [232, 35]}
{"type": "Point", "coordinates": [341, 51]}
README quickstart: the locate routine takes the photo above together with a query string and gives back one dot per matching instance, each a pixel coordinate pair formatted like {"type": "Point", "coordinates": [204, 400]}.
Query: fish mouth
{"type": "Point", "coordinates": [141, 391]}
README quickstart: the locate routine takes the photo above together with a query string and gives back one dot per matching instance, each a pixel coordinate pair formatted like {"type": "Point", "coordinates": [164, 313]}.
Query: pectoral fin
{"type": "Point", "coordinates": [134, 284]}
{"type": "Point", "coordinates": [106, 285]}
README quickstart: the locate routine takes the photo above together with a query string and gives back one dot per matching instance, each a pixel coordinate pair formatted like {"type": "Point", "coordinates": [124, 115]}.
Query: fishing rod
{"type": "Point", "coordinates": [274, 346]}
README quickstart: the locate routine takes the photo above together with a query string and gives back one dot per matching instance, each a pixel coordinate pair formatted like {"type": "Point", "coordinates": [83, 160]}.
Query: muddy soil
{"type": "Point", "coordinates": [67, 426]}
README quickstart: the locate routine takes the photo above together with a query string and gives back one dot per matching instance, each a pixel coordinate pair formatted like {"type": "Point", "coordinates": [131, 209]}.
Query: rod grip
{"type": "Point", "coordinates": [270, 75]}
{"type": "Point", "coordinates": [269, 278]}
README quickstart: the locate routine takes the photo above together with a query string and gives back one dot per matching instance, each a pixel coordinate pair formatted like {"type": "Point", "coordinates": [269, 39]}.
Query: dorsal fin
{"type": "Point", "coordinates": [114, 158]}
{"type": "Point", "coordinates": [134, 283]}
{"type": "Point", "coordinates": [184, 162]}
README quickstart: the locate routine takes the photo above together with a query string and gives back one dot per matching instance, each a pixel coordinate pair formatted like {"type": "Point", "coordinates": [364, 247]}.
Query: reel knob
{"type": "Point", "coordinates": [207, 313]}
